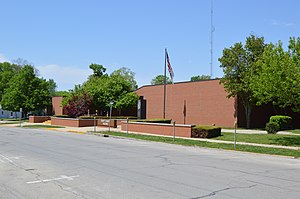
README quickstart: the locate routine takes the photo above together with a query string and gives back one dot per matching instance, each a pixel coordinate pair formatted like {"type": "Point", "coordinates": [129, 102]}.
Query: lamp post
{"type": "Point", "coordinates": [110, 109]}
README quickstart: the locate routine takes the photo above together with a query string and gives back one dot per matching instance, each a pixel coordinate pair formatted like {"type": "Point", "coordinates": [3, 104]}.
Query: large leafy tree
{"type": "Point", "coordinates": [7, 71]}
{"type": "Point", "coordinates": [103, 89]}
{"type": "Point", "coordinates": [277, 80]}
{"type": "Point", "coordinates": [98, 70]}
{"type": "Point", "coordinates": [160, 79]}
{"type": "Point", "coordinates": [239, 64]}
{"type": "Point", "coordinates": [128, 75]}
{"type": "Point", "coordinates": [25, 90]}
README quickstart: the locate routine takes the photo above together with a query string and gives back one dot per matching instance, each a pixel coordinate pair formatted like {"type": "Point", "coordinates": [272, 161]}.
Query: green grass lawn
{"type": "Point", "coordinates": [14, 119]}
{"type": "Point", "coordinates": [186, 142]}
{"type": "Point", "coordinates": [10, 122]}
{"type": "Point", "coordinates": [276, 139]}
{"type": "Point", "coordinates": [41, 126]}
{"type": "Point", "coordinates": [297, 131]}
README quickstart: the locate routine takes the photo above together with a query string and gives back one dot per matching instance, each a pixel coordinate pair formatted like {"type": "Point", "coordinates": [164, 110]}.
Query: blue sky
{"type": "Point", "coordinates": [63, 37]}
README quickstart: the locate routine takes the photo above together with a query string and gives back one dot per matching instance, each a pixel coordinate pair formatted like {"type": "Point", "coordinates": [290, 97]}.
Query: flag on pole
{"type": "Point", "coordinates": [169, 66]}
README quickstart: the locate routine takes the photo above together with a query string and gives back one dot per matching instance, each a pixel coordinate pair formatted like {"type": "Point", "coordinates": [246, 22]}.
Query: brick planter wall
{"type": "Point", "coordinates": [181, 130]}
{"type": "Point", "coordinates": [105, 123]}
{"type": "Point", "coordinates": [73, 122]}
{"type": "Point", "coordinates": [38, 119]}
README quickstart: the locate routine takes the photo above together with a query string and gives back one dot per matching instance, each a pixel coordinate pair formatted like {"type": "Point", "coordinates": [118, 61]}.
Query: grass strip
{"type": "Point", "coordinates": [187, 142]}
{"type": "Point", "coordinates": [41, 126]}
{"type": "Point", "coordinates": [274, 139]}
{"type": "Point", "coordinates": [297, 131]}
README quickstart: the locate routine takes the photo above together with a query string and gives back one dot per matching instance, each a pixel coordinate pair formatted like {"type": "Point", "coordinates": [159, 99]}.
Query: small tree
{"type": "Point", "coordinates": [160, 79]}
{"type": "Point", "coordinates": [239, 65]}
{"type": "Point", "coordinates": [78, 105]}
{"type": "Point", "coordinates": [199, 77]}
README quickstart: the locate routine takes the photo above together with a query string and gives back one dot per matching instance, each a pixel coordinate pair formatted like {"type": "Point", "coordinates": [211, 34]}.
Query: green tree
{"type": "Point", "coordinates": [98, 70]}
{"type": "Point", "coordinates": [160, 79]}
{"type": "Point", "coordinates": [128, 75]}
{"type": "Point", "coordinates": [105, 89]}
{"type": "Point", "coordinates": [7, 71]}
{"type": "Point", "coordinates": [199, 77]}
{"type": "Point", "coordinates": [277, 80]}
{"type": "Point", "coordinates": [126, 101]}
{"type": "Point", "coordinates": [52, 87]}
{"type": "Point", "coordinates": [239, 65]}
{"type": "Point", "coordinates": [26, 91]}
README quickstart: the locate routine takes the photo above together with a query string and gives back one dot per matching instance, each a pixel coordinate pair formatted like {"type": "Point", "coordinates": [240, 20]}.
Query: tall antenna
{"type": "Point", "coordinates": [212, 30]}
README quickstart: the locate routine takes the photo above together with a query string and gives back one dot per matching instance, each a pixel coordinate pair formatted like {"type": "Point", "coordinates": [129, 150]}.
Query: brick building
{"type": "Point", "coordinates": [204, 102]}
{"type": "Point", "coordinates": [200, 102]}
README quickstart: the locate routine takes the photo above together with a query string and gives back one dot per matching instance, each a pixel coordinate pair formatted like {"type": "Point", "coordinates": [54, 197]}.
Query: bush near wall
{"type": "Point", "coordinates": [205, 131]}
{"type": "Point", "coordinates": [164, 121]}
{"type": "Point", "coordinates": [278, 123]}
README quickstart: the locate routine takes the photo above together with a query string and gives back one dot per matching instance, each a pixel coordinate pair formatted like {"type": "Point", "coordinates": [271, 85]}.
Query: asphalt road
{"type": "Point", "coordinates": [49, 164]}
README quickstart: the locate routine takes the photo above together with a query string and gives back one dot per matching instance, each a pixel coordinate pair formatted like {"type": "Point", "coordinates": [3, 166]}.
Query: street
{"type": "Point", "coordinates": [46, 164]}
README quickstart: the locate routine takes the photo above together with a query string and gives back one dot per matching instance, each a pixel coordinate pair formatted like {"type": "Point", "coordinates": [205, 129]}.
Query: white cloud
{"type": "Point", "coordinates": [281, 23]}
{"type": "Point", "coordinates": [65, 77]}
{"type": "Point", "coordinates": [3, 58]}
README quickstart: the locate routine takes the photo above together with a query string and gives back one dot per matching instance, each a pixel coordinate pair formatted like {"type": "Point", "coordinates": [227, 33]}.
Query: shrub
{"type": "Point", "coordinates": [283, 121]}
{"type": "Point", "coordinates": [272, 127]}
{"type": "Point", "coordinates": [164, 121]}
{"type": "Point", "coordinates": [205, 131]}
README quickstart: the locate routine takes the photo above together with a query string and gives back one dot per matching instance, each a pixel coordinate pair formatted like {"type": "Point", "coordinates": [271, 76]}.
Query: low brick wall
{"type": "Point", "coordinates": [181, 130]}
{"type": "Point", "coordinates": [73, 122]}
{"type": "Point", "coordinates": [38, 119]}
{"type": "Point", "coordinates": [106, 122]}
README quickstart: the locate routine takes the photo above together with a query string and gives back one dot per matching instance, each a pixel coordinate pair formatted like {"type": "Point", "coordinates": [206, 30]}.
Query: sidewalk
{"type": "Point", "coordinates": [91, 130]}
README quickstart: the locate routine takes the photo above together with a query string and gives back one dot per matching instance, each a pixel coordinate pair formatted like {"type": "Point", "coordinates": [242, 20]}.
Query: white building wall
{"type": "Point", "coordinates": [9, 114]}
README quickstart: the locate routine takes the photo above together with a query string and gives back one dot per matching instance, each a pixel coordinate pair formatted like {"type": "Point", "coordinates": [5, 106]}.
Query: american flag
{"type": "Point", "coordinates": [169, 66]}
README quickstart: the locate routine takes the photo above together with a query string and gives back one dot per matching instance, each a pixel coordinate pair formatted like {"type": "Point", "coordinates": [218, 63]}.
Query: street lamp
{"type": "Point", "coordinates": [110, 109]}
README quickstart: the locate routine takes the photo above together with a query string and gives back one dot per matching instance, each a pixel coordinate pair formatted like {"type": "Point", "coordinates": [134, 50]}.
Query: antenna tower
{"type": "Point", "coordinates": [212, 30]}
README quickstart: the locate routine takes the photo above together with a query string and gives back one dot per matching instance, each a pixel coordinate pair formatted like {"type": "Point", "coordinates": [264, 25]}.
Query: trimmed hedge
{"type": "Point", "coordinates": [164, 121]}
{"type": "Point", "coordinates": [278, 122]}
{"type": "Point", "coordinates": [205, 131]}
{"type": "Point", "coordinates": [272, 127]}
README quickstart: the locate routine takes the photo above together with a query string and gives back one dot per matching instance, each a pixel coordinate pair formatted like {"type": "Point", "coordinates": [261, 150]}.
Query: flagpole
{"type": "Point", "coordinates": [165, 83]}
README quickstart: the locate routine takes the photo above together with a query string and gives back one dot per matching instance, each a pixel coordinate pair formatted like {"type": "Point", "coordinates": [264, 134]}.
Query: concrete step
{"type": "Point", "coordinates": [47, 122]}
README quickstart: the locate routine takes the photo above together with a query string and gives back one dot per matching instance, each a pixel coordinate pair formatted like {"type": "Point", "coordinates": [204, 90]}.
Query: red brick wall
{"type": "Point", "coordinates": [158, 129]}
{"type": "Point", "coordinates": [206, 103]}
{"type": "Point", "coordinates": [38, 119]}
{"type": "Point", "coordinates": [57, 108]}
{"type": "Point", "coordinates": [72, 122]}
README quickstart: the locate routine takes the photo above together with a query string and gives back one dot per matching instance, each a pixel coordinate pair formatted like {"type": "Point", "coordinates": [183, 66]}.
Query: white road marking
{"type": "Point", "coordinates": [62, 177]}
{"type": "Point", "coordinates": [6, 158]}
{"type": "Point", "coordinates": [16, 158]}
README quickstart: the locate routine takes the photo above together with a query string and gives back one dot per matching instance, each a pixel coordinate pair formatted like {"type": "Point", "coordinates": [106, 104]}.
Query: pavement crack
{"type": "Point", "coordinates": [69, 190]}
{"type": "Point", "coordinates": [221, 190]}
{"type": "Point", "coordinates": [165, 160]}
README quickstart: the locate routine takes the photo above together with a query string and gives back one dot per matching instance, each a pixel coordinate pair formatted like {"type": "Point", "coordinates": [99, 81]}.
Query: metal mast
{"type": "Point", "coordinates": [212, 30]}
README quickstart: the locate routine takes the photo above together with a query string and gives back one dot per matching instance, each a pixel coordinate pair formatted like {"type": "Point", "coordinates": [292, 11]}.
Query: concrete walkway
{"type": "Point", "coordinates": [91, 130]}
